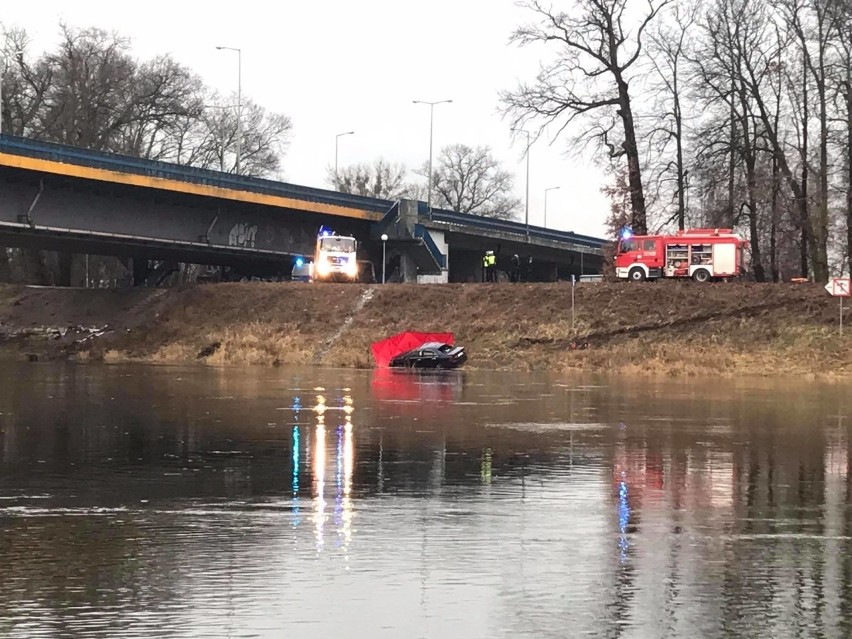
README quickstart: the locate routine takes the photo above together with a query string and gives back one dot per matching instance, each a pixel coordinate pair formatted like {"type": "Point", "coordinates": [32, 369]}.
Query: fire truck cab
{"type": "Point", "coordinates": [335, 257]}
{"type": "Point", "coordinates": [700, 254]}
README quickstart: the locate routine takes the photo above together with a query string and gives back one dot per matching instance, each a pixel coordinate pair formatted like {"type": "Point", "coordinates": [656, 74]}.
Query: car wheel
{"type": "Point", "coordinates": [636, 274]}
{"type": "Point", "coordinates": [701, 275]}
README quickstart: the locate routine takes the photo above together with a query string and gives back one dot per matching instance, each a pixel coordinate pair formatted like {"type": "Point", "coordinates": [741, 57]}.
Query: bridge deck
{"type": "Point", "coordinates": [57, 159]}
{"type": "Point", "coordinates": [74, 162]}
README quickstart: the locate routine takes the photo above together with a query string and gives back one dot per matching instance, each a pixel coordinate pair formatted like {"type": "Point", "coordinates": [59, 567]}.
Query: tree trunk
{"type": "Point", "coordinates": [751, 185]}
{"type": "Point", "coordinates": [849, 164]}
{"type": "Point", "coordinates": [804, 213]}
{"type": "Point", "coordinates": [820, 225]}
{"type": "Point", "coordinates": [732, 162]}
{"type": "Point", "coordinates": [639, 220]}
{"type": "Point", "coordinates": [773, 227]}
{"type": "Point", "coordinates": [681, 178]}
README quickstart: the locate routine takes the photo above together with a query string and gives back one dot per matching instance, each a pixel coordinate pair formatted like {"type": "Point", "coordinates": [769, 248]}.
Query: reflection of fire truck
{"type": "Point", "coordinates": [702, 254]}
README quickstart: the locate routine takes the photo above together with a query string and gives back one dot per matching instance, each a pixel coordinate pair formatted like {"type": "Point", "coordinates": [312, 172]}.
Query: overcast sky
{"type": "Point", "coordinates": [339, 65]}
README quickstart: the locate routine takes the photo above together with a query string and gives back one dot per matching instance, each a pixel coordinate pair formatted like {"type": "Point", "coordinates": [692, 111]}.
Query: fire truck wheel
{"type": "Point", "coordinates": [701, 275]}
{"type": "Point", "coordinates": [636, 275]}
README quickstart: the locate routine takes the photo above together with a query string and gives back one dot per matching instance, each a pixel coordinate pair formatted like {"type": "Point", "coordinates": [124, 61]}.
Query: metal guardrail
{"type": "Point", "coordinates": [505, 226]}
{"type": "Point", "coordinates": [421, 233]}
{"type": "Point", "coordinates": [392, 212]}
{"type": "Point", "coordinates": [153, 168]}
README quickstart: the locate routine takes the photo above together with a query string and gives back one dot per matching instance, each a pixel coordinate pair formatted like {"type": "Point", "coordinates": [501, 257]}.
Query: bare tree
{"type": "Point", "coordinates": [597, 48]}
{"type": "Point", "coordinates": [470, 180]}
{"type": "Point", "coordinates": [815, 24]}
{"type": "Point", "coordinates": [845, 86]}
{"type": "Point", "coordinates": [90, 92]}
{"type": "Point", "coordinates": [668, 58]}
{"type": "Point", "coordinates": [381, 179]}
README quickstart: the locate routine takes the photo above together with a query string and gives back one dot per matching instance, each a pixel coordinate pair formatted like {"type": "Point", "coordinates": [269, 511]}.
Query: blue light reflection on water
{"type": "Point", "coordinates": [623, 517]}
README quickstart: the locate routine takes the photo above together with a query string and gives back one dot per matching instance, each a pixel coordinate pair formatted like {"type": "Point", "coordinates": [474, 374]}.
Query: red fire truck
{"type": "Point", "coordinates": [702, 254]}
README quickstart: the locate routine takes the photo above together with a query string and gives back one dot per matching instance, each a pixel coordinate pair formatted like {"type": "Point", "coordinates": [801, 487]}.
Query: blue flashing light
{"type": "Point", "coordinates": [626, 233]}
{"type": "Point", "coordinates": [325, 231]}
{"type": "Point", "coordinates": [299, 262]}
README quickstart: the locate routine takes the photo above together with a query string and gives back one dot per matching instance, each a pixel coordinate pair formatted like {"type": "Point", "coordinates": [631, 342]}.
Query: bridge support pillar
{"type": "Point", "coordinates": [408, 268]}
{"type": "Point", "coordinates": [140, 271]}
{"type": "Point", "coordinates": [64, 260]}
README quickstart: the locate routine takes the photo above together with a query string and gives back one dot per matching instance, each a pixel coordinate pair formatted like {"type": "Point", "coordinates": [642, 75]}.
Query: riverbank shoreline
{"type": "Point", "coordinates": [662, 328]}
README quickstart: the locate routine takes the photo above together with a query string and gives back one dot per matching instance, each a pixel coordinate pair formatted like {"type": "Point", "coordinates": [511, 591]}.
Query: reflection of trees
{"type": "Point", "coordinates": [704, 513]}
{"type": "Point", "coordinates": [736, 508]}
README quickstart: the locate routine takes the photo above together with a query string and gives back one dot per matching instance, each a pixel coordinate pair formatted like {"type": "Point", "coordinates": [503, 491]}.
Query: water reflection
{"type": "Point", "coordinates": [192, 502]}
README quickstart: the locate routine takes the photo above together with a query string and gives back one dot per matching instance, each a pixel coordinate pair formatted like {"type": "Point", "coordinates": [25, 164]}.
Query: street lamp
{"type": "Point", "coordinates": [384, 260]}
{"type": "Point", "coordinates": [527, 204]}
{"type": "Point", "coordinates": [552, 188]}
{"type": "Point", "coordinates": [2, 74]}
{"type": "Point", "coordinates": [431, 120]}
{"type": "Point", "coordinates": [239, 101]}
{"type": "Point", "coordinates": [336, 140]}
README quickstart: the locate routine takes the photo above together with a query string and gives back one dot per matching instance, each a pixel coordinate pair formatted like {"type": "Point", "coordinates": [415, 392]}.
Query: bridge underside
{"type": "Point", "coordinates": [61, 213]}
{"type": "Point", "coordinates": [549, 260]}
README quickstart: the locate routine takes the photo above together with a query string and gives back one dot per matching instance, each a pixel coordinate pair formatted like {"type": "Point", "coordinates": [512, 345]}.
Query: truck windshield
{"type": "Point", "coordinates": [333, 243]}
{"type": "Point", "coordinates": [625, 246]}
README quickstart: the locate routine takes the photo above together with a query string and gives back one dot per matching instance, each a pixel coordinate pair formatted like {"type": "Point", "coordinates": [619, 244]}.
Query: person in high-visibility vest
{"type": "Point", "coordinates": [489, 262]}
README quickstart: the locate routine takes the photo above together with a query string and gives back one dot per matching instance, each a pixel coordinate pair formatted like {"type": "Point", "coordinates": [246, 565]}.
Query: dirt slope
{"type": "Point", "coordinates": [653, 328]}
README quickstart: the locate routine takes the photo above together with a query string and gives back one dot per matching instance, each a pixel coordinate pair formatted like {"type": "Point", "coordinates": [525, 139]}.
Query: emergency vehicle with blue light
{"type": "Point", "coordinates": [700, 254]}
{"type": "Point", "coordinates": [335, 257]}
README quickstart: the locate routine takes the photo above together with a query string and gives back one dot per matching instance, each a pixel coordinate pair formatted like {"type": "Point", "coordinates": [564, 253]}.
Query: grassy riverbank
{"type": "Point", "coordinates": [652, 328]}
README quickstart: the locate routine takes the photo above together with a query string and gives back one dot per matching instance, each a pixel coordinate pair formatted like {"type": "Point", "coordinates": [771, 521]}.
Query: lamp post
{"type": "Point", "coordinates": [239, 102]}
{"type": "Point", "coordinates": [552, 188]}
{"type": "Point", "coordinates": [336, 140]}
{"type": "Point", "coordinates": [384, 260]}
{"type": "Point", "coordinates": [431, 121]}
{"type": "Point", "coordinates": [527, 198]}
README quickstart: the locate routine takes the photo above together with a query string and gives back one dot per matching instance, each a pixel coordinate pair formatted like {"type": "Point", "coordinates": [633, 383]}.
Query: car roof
{"type": "Point", "coordinates": [430, 345]}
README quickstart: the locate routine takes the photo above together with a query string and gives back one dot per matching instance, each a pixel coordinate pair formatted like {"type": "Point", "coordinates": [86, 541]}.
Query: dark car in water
{"type": "Point", "coordinates": [431, 355]}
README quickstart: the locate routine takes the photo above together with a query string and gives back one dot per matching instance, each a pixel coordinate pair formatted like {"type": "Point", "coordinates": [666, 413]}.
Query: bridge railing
{"type": "Point", "coordinates": [507, 226]}
{"type": "Point", "coordinates": [166, 170]}
{"type": "Point", "coordinates": [422, 233]}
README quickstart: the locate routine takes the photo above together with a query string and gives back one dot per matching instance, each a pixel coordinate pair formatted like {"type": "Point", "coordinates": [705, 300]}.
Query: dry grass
{"type": "Point", "coordinates": [655, 329]}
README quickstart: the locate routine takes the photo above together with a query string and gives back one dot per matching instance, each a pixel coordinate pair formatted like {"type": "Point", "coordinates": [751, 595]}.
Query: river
{"type": "Point", "coordinates": [154, 501]}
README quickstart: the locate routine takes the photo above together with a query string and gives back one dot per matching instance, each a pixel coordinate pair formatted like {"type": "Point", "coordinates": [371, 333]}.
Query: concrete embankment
{"type": "Point", "coordinates": [649, 328]}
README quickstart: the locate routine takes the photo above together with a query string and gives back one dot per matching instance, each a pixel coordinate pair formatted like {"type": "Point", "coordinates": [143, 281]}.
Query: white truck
{"type": "Point", "coordinates": [335, 257]}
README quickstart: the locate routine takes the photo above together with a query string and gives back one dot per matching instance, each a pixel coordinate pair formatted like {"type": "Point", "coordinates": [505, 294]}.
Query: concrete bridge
{"type": "Point", "coordinates": [73, 200]}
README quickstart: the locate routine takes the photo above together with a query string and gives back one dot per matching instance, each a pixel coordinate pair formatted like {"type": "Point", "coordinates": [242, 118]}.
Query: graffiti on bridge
{"type": "Point", "coordinates": [242, 235]}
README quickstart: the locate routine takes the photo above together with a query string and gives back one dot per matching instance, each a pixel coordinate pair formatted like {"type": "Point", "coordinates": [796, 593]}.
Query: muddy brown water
{"type": "Point", "coordinates": [145, 501]}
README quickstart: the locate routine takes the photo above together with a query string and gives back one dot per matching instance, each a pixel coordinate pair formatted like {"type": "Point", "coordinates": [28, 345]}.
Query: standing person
{"type": "Point", "coordinates": [516, 268]}
{"type": "Point", "coordinates": [485, 267]}
{"type": "Point", "coordinates": [491, 266]}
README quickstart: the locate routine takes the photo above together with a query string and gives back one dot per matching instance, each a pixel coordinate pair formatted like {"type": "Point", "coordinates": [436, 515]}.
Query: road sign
{"type": "Point", "coordinates": [839, 286]}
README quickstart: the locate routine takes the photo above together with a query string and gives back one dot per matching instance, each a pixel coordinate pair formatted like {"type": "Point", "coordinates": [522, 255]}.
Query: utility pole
{"type": "Point", "coordinates": [239, 102]}
{"type": "Point", "coordinates": [431, 120]}
{"type": "Point", "coordinates": [527, 199]}
{"type": "Point", "coordinates": [336, 140]}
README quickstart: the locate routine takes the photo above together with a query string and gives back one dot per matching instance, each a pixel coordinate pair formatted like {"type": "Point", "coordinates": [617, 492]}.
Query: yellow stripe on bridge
{"type": "Point", "coordinates": [165, 184]}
